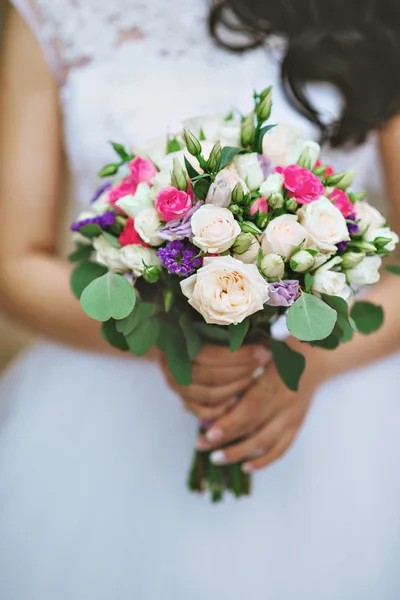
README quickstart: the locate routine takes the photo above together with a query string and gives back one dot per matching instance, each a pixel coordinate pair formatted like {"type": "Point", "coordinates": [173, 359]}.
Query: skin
{"type": "Point", "coordinates": [30, 177]}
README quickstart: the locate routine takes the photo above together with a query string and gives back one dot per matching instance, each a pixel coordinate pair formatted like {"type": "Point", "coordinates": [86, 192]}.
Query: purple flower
{"type": "Point", "coordinates": [103, 188]}
{"type": "Point", "coordinates": [179, 258]}
{"type": "Point", "coordinates": [180, 228]}
{"type": "Point", "coordinates": [283, 293]}
{"type": "Point", "coordinates": [265, 165]}
{"type": "Point", "coordinates": [353, 229]}
{"type": "Point", "coordinates": [103, 221]}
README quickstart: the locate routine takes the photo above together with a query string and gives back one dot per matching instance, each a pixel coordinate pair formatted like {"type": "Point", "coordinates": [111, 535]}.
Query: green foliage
{"type": "Point", "coordinates": [227, 155]}
{"type": "Point", "coordinates": [395, 269]}
{"type": "Point", "coordinates": [258, 142]}
{"type": "Point", "coordinates": [83, 275]}
{"type": "Point", "coordinates": [111, 335]}
{"type": "Point", "coordinates": [367, 317]}
{"type": "Point", "coordinates": [308, 282]}
{"type": "Point", "coordinates": [109, 296]}
{"type": "Point", "coordinates": [173, 145]}
{"type": "Point", "coordinates": [237, 334]}
{"type": "Point", "coordinates": [310, 319]}
{"type": "Point", "coordinates": [193, 340]}
{"type": "Point", "coordinates": [144, 336]}
{"type": "Point", "coordinates": [112, 240]}
{"type": "Point", "coordinates": [121, 151]}
{"type": "Point", "coordinates": [213, 334]}
{"type": "Point", "coordinates": [143, 311]}
{"type": "Point", "coordinates": [82, 252]}
{"type": "Point", "coordinates": [290, 364]}
{"type": "Point", "coordinates": [90, 231]}
{"type": "Point", "coordinates": [178, 359]}
{"type": "Point", "coordinates": [109, 170]}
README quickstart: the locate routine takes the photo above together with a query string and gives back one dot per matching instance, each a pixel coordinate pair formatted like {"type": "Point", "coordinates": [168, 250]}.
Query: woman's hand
{"type": "Point", "coordinates": [219, 376]}
{"type": "Point", "coordinates": [267, 420]}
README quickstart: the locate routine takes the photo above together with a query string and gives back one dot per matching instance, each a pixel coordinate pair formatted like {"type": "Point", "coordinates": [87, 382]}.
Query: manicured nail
{"type": "Point", "coordinates": [218, 458]}
{"type": "Point", "coordinates": [214, 435]}
{"type": "Point", "coordinates": [202, 445]}
{"type": "Point", "coordinates": [258, 373]}
{"type": "Point", "coordinates": [261, 356]}
{"type": "Point", "coordinates": [247, 468]}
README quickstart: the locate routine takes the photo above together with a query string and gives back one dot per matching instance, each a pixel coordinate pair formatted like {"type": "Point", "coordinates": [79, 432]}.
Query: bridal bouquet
{"type": "Point", "coordinates": [216, 234]}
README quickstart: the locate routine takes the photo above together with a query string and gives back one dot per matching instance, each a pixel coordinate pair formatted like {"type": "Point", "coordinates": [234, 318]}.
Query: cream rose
{"type": "Point", "coordinates": [332, 283]}
{"type": "Point", "coordinates": [225, 291]}
{"type": "Point", "coordinates": [324, 223]}
{"type": "Point", "coordinates": [135, 258]}
{"type": "Point", "coordinates": [272, 185]}
{"type": "Point", "coordinates": [366, 273]}
{"type": "Point", "coordinates": [133, 204]}
{"type": "Point", "coordinates": [108, 255]}
{"type": "Point", "coordinates": [280, 141]}
{"type": "Point", "coordinates": [368, 216]}
{"type": "Point", "coordinates": [249, 168]}
{"type": "Point", "coordinates": [214, 229]}
{"type": "Point", "coordinates": [147, 224]}
{"type": "Point", "coordinates": [382, 232]}
{"type": "Point", "coordinates": [283, 235]}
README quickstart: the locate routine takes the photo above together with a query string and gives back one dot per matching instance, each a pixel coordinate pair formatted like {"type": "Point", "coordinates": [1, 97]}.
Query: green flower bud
{"type": "Point", "coordinates": [151, 274]}
{"type": "Point", "coordinates": [305, 159]}
{"type": "Point", "coordinates": [179, 178]}
{"type": "Point", "coordinates": [247, 130]}
{"type": "Point", "coordinates": [214, 157]}
{"type": "Point", "coordinates": [356, 197]}
{"type": "Point", "coordinates": [168, 300]}
{"type": "Point", "coordinates": [341, 181]}
{"type": "Point", "coordinates": [235, 209]}
{"type": "Point", "coordinates": [291, 205]}
{"type": "Point", "coordinates": [272, 266]}
{"type": "Point", "coordinates": [262, 221]}
{"type": "Point", "coordinates": [238, 194]}
{"type": "Point", "coordinates": [192, 143]}
{"type": "Point", "coordinates": [302, 261]}
{"type": "Point", "coordinates": [264, 107]}
{"type": "Point", "coordinates": [242, 243]}
{"type": "Point", "coordinates": [275, 201]}
{"type": "Point", "coordinates": [363, 247]}
{"type": "Point", "coordinates": [265, 93]}
{"type": "Point", "coordinates": [249, 227]}
{"type": "Point", "coordinates": [352, 259]}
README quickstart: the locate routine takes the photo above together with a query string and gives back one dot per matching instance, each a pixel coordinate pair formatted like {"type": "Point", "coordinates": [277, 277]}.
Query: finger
{"type": "Point", "coordinates": [205, 413]}
{"type": "Point", "coordinates": [274, 454]}
{"type": "Point", "coordinates": [213, 396]}
{"type": "Point", "coordinates": [216, 376]}
{"type": "Point", "coordinates": [222, 356]}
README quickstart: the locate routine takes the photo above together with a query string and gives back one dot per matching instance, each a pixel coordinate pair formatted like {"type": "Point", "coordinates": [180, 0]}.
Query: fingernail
{"type": "Point", "coordinates": [261, 356]}
{"type": "Point", "coordinates": [214, 435]}
{"type": "Point", "coordinates": [258, 373]}
{"type": "Point", "coordinates": [202, 445]}
{"type": "Point", "coordinates": [218, 458]}
{"type": "Point", "coordinates": [247, 468]}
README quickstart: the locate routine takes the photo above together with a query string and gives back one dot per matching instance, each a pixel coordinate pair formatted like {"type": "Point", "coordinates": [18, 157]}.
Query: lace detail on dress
{"type": "Point", "coordinates": [78, 32]}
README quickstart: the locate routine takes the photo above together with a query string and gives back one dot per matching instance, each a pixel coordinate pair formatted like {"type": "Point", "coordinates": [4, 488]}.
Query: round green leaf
{"type": "Point", "coordinates": [367, 317]}
{"type": "Point", "coordinates": [144, 337]}
{"type": "Point", "coordinates": [84, 274]}
{"type": "Point", "coordinates": [109, 297]}
{"type": "Point", "coordinates": [290, 364]}
{"type": "Point", "coordinates": [311, 319]}
{"type": "Point", "coordinates": [112, 336]}
{"type": "Point", "coordinates": [237, 334]}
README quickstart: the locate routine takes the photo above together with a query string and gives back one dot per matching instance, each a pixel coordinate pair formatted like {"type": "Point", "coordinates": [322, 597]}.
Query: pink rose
{"type": "Point", "coordinates": [142, 170]}
{"type": "Point", "coordinates": [172, 204]}
{"type": "Point", "coordinates": [127, 186]}
{"type": "Point", "coordinates": [259, 206]}
{"type": "Point", "coordinates": [342, 202]}
{"type": "Point", "coordinates": [130, 236]}
{"type": "Point", "coordinates": [302, 184]}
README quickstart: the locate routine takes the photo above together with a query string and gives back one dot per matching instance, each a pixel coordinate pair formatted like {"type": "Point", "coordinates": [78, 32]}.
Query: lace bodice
{"type": "Point", "coordinates": [132, 70]}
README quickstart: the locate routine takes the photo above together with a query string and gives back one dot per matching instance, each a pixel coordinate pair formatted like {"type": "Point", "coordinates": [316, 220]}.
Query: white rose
{"type": "Point", "coordinates": [136, 258]}
{"type": "Point", "coordinates": [147, 224]}
{"type": "Point", "coordinates": [283, 235]}
{"type": "Point", "coordinates": [368, 216]}
{"type": "Point", "coordinates": [225, 291]}
{"type": "Point", "coordinates": [214, 229]}
{"type": "Point", "coordinates": [249, 168]}
{"type": "Point", "coordinates": [330, 282]}
{"type": "Point", "coordinates": [272, 266]}
{"type": "Point", "coordinates": [325, 224]}
{"type": "Point", "coordinates": [313, 149]}
{"type": "Point", "coordinates": [272, 185]}
{"type": "Point", "coordinates": [220, 192]}
{"type": "Point", "coordinates": [382, 232]}
{"type": "Point", "coordinates": [366, 273]}
{"type": "Point", "coordinates": [108, 255]}
{"type": "Point", "coordinates": [280, 141]}
{"type": "Point", "coordinates": [133, 204]}
{"type": "Point", "coordinates": [250, 256]}
{"type": "Point", "coordinates": [161, 180]}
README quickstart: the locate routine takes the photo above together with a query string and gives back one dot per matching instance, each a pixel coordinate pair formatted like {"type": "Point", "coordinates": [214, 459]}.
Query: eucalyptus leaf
{"type": "Point", "coordinates": [367, 317]}
{"type": "Point", "coordinates": [178, 359]}
{"type": "Point", "coordinates": [290, 364]}
{"type": "Point", "coordinates": [310, 319]}
{"type": "Point", "coordinates": [112, 336]}
{"type": "Point", "coordinates": [84, 274]}
{"type": "Point", "coordinates": [308, 281]}
{"type": "Point", "coordinates": [109, 296]}
{"type": "Point", "coordinates": [237, 334]}
{"type": "Point", "coordinates": [347, 329]}
{"type": "Point", "coordinates": [193, 341]}
{"type": "Point", "coordinates": [332, 341]}
{"type": "Point", "coordinates": [81, 253]}
{"type": "Point", "coordinates": [112, 240]}
{"type": "Point", "coordinates": [142, 312]}
{"type": "Point", "coordinates": [144, 337]}
{"type": "Point", "coordinates": [338, 304]}
{"type": "Point", "coordinates": [395, 269]}
{"type": "Point", "coordinates": [213, 334]}
{"type": "Point", "coordinates": [90, 231]}
{"type": "Point", "coordinates": [227, 155]}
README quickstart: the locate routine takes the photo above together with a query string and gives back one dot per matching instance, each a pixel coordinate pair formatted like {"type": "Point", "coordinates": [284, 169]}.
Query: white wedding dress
{"type": "Point", "coordinates": [94, 450]}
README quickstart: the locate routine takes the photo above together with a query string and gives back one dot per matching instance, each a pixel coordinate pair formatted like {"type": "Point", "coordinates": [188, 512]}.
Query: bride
{"type": "Point", "coordinates": [94, 447]}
